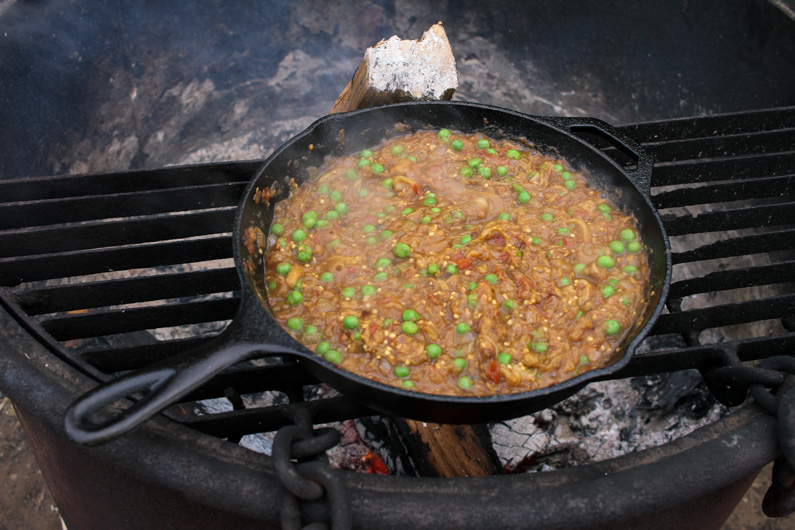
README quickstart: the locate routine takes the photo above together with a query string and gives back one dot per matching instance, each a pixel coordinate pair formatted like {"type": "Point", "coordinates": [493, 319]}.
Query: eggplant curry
{"type": "Point", "coordinates": [456, 264]}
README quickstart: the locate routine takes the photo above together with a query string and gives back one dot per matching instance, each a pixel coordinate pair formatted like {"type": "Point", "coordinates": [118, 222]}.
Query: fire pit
{"type": "Point", "coordinates": [95, 268]}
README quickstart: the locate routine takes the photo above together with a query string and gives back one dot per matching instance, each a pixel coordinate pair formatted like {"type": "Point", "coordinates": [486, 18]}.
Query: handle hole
{"type": "Point", "coordinates": [612, 147]}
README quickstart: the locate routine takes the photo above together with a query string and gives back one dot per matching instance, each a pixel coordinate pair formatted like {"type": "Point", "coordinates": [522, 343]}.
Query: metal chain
{"type": "Point", "coordinates": [775, 373]}
{"type": "Point", "coordinates": [299, 457]}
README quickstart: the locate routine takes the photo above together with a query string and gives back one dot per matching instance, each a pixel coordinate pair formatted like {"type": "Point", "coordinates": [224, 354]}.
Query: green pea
{"type": "Point", "coordinates": [310, 223]}
{"type": "Point", "coordinates": [457, 145]}
{"type": "Point", "coordinates": [401, 250]}
{"type": "Point", "coordinates": [283, 268]}
{"type": "Point", "coordinates": [605, 262]}
{"type": "Point", "coordinates": [613, 281]}
{"type": "Point", "coordinates": [444, 133]}
{"type": "Point", "coordinates": [524, 197]}
{"type": "Point", "coordinates": [335, 196]}
{"type": "Point", "coordinates": [502, 171]}
{"type": "Point", "coordinates": [491, 151]}
{"type": "Point", "coordinates": [323, 190]}
{"type": "Point", "coordinates": [333, 356]}
{"type": "Point", "coordinates": [467, 171]}
{"type": "Point", "coordinates": [363, 163]}
{"type": "Point", "coordinates": [397, 150]}
{"type": "Point", "coordinates": [492, 278]}
{"type": "Point", "coordinates": [349, 292]}
{"type": "Point", "coordinates": [627, 234]}
{"type": "Point", "coordinates": [472, 285]}
{"type": "Point", "coordinates": [322, 223]}
{"type": "Point", "coordinates": [407, 286]}
{"type": "Point", "coordinates": [407, 383]}
{"type": "Point", "coordinates": [332, 214]}
{"type": "Point", "coordinates": [466, 239]}
{"type": "Point", "coordinates": [277, 229]}
{"type": "Point", "coordinates": [512, 154]}
{"type": "Point", "coordinates": [377, 168]}
{"type": "Point", "coordinates": [294, 297]}
{"type": "Point", "coordinates": [570, 184]}
{"type": "Point", "coordinates": [634, 247]}
{"type": "Point", "coordinates": [341, 208]}
{"type": "Point", "coordinates": [426, 219]}
{"type": "Point", "coordinates": [368, 228]}
{"type": "Point", "coordinates": [310, 330]}
{"type": "Point", "coordinates": [460, 363]}
{"type": "Point", "coordinates": [558, 167]}
{"type": "Point", "coordinates": [464, 383]}
{"type": "Point", "coordinates": [564, 282]}
{"type": "Point", "coordinates": [563, 231]}
{"type": "Point", "coordinates": [474, 162]}
{"type": "Point", "coordinates": [608, 291]}
{"type": "Point", "coordinates": [626, 301]}
{"type": "Point", "coordinates": [433, 350]}
{"type": "Point", "coordinates": [407, 211]}
{"type": "Point", "coordinates": [366, 153]}
{"type": "Point", "coordinates": [566, 175]}
{"type": "Point", "coordinates": [387, 183]}
{"type": "Point", "coordinates": [578, 268]}
{"type": "Point", "coordinates": [304, 253]}
{"type": "Point", "coordinates": [617, 247]}
{"type": "Point", "coordinates": [382, 263]}
{"type": "Point", "coordinates": [410, 315]}
{"type": "Point", "coordinates": [630, 269]}
{"type": "Point", "coordinates": [505, 216]}
{"type": "Point", "coordinates": [386, 233]}
{"type": "Point", "coordinates": [483, 144]}
{"type": "Point", "coordinates": [604, 208]}
{"type": "Point", "coordinates": [536, 241]}
{"type": "Point", "coordinates": [436, 210]}
{"type": "Point", "coordinates": [323, 348]}
{"type": "Point", "coordinates": [351, 175]}
{"type": "Point", "coordinates": [547, 217]}
{"type": "Point", "coordinates": [429, 201]}
{"type": "Point", "coordinates": [368, 290]}
{"type": "Point", "coordinates": [409, 328]}
{"type": "Point", "coordinates": [295, 323]}
{"type": "Point", "coordinates": [272, 286]}
{"type": "Point", "coordinates": [433, 268]}
{"type": "Point", "coordinates": [612, 327]}
{"type": "Point", "coordinates": [381, 277]}
{"type": "Point", "coordinates": [484, 172]}
{"type": "Point", "coordinates": [462, 327]}
{"type": "Point", "coordinates": [472, 300]}
{"type": "Point", "coordinates": [402, 371]}
{"type": "Point", "coordinates": [327, 277]}
{"type": "Point", "coordinates": [541, 347]}
{"type": "Point", "coordinates": [504, 358]}
{"type": "Point", "coordinates": [350, 322]}
{"type": "Point", "coordinates": [451, 269]}
{"type": "Point", "coordinates": [509, 304]}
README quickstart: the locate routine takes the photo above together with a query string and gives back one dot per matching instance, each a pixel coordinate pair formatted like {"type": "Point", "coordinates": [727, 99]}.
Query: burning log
{"type": "Point", "coordinates": [397, 70]}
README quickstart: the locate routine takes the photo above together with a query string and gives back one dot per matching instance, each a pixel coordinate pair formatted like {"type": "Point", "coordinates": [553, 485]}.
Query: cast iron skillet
{"type": "Point", "coordinates": [254, 333]}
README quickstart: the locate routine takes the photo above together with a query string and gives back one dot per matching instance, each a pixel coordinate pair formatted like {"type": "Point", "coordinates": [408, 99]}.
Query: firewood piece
{"type": "Point", "coordinates": [397, 70]}
{"type": "Point", "coordinates": [439, 450]}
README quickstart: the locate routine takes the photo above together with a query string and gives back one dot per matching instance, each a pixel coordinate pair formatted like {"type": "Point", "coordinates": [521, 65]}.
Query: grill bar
{"type": "Point", "coordinates": [737, 169]}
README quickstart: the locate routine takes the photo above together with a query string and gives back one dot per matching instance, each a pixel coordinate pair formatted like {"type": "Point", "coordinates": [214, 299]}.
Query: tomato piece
{"type": "Point", "coordinates": [494, 371]}
{"type": "Point", "coordinates": [464, 263]}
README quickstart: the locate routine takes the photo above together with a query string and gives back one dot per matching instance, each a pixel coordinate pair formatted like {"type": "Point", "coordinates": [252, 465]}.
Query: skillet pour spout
{"type": "Point", "coordinates": [254, 332]}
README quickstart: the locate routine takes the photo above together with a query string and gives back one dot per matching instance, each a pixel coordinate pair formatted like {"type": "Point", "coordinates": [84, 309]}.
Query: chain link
{"type": "Point", "coordinates": [776, 373]}
{"type": "Point", "coordinates": [299, 458]}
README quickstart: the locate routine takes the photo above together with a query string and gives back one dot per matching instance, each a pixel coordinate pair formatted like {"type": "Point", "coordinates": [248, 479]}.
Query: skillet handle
{"type": "Point", "coordinates": [163, 383]}
{"type": "Point", "coordinates": [640, 173]}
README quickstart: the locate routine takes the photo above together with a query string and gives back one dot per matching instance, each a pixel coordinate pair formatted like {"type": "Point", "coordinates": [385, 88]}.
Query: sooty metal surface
{"type": "Point", "coordinates": [101, 268]}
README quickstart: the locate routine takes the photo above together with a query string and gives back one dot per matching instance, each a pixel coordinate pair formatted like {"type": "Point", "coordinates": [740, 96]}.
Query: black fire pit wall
{"type": "Point", "coordinates": [111, 86]}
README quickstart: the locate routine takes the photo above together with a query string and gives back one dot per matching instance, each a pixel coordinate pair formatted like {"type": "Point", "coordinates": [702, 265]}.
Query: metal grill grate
{"type": "Point", "coordinates": [92, 264]}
